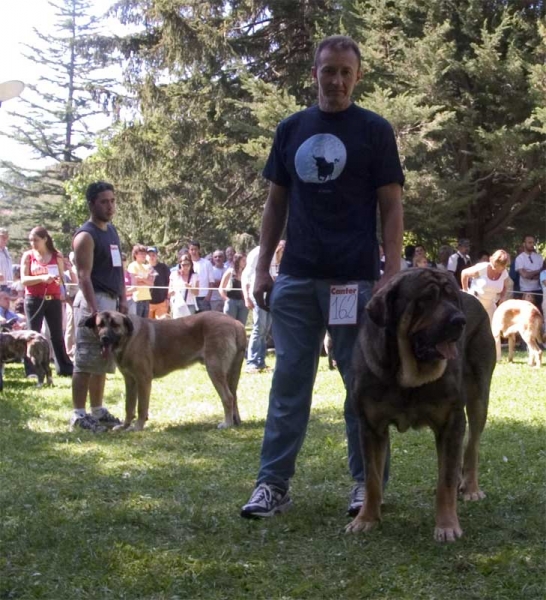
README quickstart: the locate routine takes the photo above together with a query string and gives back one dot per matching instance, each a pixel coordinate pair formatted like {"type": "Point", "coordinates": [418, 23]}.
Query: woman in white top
{"type": "Point", "coordinates": [488, 281]}
{"type": "Point", "coordinates": [183, 287]}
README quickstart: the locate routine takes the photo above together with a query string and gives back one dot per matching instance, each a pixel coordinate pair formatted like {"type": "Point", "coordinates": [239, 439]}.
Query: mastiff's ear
{"type": "Point", "coordinates": [91, 322]}
{"type": "Point", "coordinates": [380, 308]}
{"type": "Point", "coordinates": [128, 325]}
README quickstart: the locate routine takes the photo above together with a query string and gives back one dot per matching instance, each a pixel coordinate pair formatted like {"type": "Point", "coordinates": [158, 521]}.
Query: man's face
{"type": "Point", "coordinates": [152, 258]}
{"type": "Point", "coordinates": [529, 244]}
{"type": "Point", "coordinates": [464, 249]}
{"type": "Point", "coordinates": [4, 300]}
{"type": "Point", "coordinates": [194, 252]}
{"type": "Point", "coordinates": [230, 253]}
{"type": "Point", "coordinates": [103, 208]}
{"type": "Point", "coordinates": [4, 238]}
{"type": "Point", "coordinates": [218, 259]}
{"type": "Point", "coordinates": [336, 74]}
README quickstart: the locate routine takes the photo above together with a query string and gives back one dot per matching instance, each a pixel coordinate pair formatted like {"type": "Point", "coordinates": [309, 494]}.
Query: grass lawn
{"type": "Point", "coordinates": [154, 515]}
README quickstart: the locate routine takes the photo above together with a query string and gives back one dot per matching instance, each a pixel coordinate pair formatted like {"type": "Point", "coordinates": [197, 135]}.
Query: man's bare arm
{"type": "Point", "coordinates": [392, 228]}
{"type": "Point", "coordinates": [83, 257]}
{"type": "Point", "coordinates": [273, 222]}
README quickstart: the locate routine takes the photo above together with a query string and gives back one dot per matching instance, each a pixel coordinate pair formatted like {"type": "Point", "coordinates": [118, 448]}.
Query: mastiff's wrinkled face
{"type": "Point", "coordinates": [422, 308]}
{"type": "Point", "coordinates": [111, 328]}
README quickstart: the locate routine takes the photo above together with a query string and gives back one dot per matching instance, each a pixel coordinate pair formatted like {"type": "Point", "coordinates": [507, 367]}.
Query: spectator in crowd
{"type": "Point", "coordinates": [529, 265]}
{"type": "Point", "coordinates": [42, 270]}
{"type": "Point", "coordinates": [97, 256]}
{"type": "Point", "coordinates": [409, 251]}
{"type": "Point", "coordinates": [159, 303]}
{"type": "Point", "coordinates": [230, 253]}
{"type": "Point", "coordinates": [144, 279]}
{"type": "Point", "coordinates": [488, 281]}
{"type": "Point", "coordinates": [203, 269]}
{"type": "Point", "coordinates": [130, 286]}
{"type": "Point", "coordinates": [443, 257]}
{"type": "Point", "coordinates": [7, 315]}
{"type": "Point", "coordinates": [420, 260]}
{"type": "Point", "coordinates": [483, 256]}
{"type": "Point", "coordinates": [261, 319]}
{"type": "Point", "coordinates": [514, 275]}
{"type": "Point", "coordinates": [460, 260]}
{"type": "Point", "coordinates": [420, 252]}
{"type": "Point", "coordinates": [231, 290]}
{"type": "Point", "coordinates": [329, 168]}
{"type": "Point", "coordinates": [17, 288]}
{"type": "Point", "coordinates": [183, 288]}
{"type": "Point", "coordinates": [218, 270]}
{"type": "Point", "coordinates": [71, 284]}
{"type": "Point", "coordinates": [6, 265]}
{"type": "Point", "coordinates": [542, 279]}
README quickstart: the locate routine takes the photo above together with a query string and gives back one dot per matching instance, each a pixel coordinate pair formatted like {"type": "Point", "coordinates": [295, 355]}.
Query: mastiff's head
{"type": "Point", "coordinates": [112, 328]}
{"type": "Point", "coordinates": [422, 309]}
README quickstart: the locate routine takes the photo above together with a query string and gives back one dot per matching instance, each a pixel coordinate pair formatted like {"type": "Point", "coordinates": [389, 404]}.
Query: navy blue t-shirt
{"type": "Point", "coordinates": [332, 165]}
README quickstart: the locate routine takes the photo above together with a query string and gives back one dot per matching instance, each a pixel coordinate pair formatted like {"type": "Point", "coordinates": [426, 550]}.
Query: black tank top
{"type": "Point", "coordinates": [235, 294]}
{"type": "Point", "coordinates": [104, 276]}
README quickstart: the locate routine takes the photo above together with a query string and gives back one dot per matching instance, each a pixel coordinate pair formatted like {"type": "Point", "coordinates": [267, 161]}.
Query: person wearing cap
{"type": "Point", "coordinates": [460, 260]}
{"type": "Point", "coordinates": [159, 304]}
{"type": "Point", "coordinates": [6, 264]}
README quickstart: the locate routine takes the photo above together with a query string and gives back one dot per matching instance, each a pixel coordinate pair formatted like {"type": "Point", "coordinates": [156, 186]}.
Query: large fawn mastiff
{"type": "Point", "coordinates": [424, 354]}
{"type": "Point", "coordinates": [147, 348]}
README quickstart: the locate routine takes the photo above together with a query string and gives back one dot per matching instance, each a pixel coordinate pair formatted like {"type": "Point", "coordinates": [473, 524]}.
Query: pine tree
{"type": "Point", "coordinates": [56, 120]}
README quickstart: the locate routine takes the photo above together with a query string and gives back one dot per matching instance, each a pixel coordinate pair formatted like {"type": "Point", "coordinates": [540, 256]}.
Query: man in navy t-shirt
{"type": "Point", "coordinates": [330, 166]}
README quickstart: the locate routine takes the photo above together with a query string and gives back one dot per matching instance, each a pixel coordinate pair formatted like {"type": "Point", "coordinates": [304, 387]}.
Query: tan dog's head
{"type": "Point", "coordinates": [111, 327]}
{"type": "Point", "coordinates": [423, 309]}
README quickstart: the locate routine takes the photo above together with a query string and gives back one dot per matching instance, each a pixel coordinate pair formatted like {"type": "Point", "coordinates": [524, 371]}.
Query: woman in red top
{"type": "Point", "coordinates": [41, 274]}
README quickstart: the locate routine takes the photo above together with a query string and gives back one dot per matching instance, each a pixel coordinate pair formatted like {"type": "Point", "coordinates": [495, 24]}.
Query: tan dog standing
{"type": "Point", "coordinates": [523, 317]}
{"type": "Point", "coordinates": [145, 349]}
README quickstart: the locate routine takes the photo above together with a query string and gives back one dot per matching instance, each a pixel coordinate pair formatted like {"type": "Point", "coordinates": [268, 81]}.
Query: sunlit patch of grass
{"type": "Point", "coordinates": [154, 514]}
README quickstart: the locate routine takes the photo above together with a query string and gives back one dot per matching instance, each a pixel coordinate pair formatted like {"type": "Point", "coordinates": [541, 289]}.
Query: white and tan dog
{"type": "Point", "coordinates": [148, 348]}
{"type": "Point", "coordinates": [523, 317]}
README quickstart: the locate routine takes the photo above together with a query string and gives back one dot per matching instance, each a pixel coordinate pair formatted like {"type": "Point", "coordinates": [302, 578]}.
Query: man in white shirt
{"type": "Point", "coordinates": [6, 266]}
{"type": "Point", "coordinates": [203, 268]}
{"type": "Point", "coordinates": [529, 266]}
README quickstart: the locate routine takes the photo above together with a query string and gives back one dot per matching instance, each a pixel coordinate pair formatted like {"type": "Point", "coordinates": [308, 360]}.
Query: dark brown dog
{"type": "Point", "coordinates": [15, 345]}
{"type": "Point", "coordinates": [523, 317]}
{"type": "Point", "coordinates": [148, 348]}
{"type": "Point", "coordinates": [424, 352]}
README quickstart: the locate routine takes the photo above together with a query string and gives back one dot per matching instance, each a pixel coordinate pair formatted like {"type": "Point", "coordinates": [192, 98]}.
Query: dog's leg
{"type": "Point", "coordinates": [233, 383]}
{"type": "Point", "coordinates": [476, 410]}
{"type": "Point", "coordinates": [374, 446]}
{"type": "Point", "coordinates": [535, 353]}
{"type": "Point", "coordinates": [449, 442]}
{"type": "Point", "coordinates": [511, 346]}
{"type": "Point", "coordinates": [144, 386]}
{"type": "Point", "coordinates": [498, 347]}
{"type": "Point", "coordinates": [219, 380]}
{"type": "Point", "coordinates": [130, 402]}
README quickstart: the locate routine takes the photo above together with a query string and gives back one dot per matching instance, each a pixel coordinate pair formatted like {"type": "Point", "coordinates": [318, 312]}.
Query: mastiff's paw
{"type": "Point", "coordinates": [357, 525]}
{"type": "Point", "coordinates": [447, 534]}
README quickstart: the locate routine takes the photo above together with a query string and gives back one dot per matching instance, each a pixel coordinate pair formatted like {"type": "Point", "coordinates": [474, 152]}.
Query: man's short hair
{"type": "Point", "coordinates": [463, 242]}
{"type": "Point", "coordinates": [528, 235]}
{"type": "Point", "coordinates": [338, 42]}
{"type": "Point", "coordinates": [4, 231]}
{"type": "Point", "coordinates": [194, 243]}
{"type": "Point", "coordinates": [94, 189]}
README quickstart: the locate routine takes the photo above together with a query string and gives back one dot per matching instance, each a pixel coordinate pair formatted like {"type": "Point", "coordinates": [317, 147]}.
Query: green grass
{"type": "Point", "coordinates": [154, 515]}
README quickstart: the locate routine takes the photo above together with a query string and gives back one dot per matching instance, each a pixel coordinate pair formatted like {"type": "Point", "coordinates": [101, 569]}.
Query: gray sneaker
{"type": "Point", "coordinates": [358, 493]}
{"type": "Point", "coordinates": [107, 419]}
{"type": "Point", "coordinates": [266, 501]}
{"type": "Point", "coordinates": [87, 423]}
